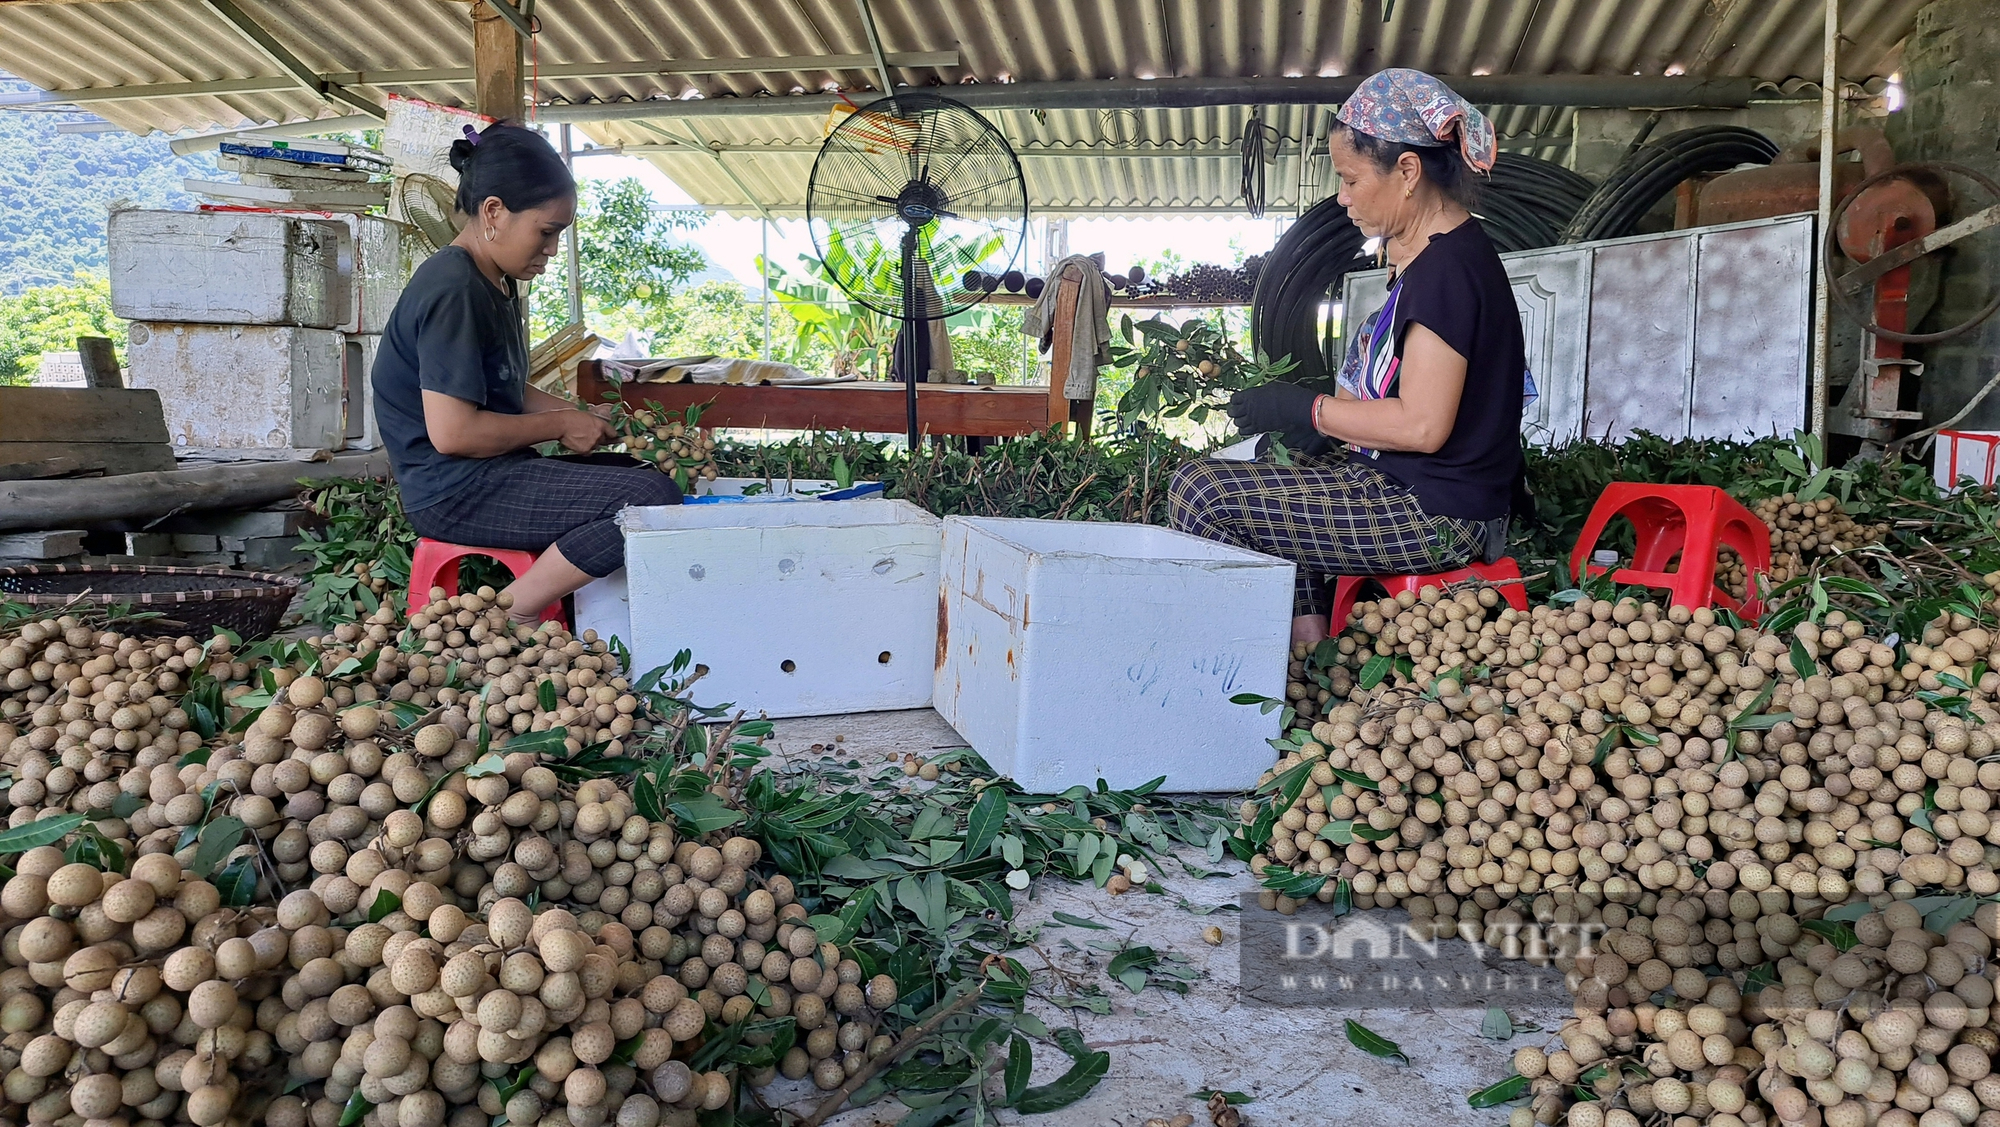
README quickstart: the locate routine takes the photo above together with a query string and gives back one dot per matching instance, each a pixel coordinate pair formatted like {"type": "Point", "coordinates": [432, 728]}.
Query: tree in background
{"type": "Point", "coordinates": [631, 261]}
{"type": "Point", "coordinates": [829, 334]}
{"type": "Point", "coordinates": [49, 319]}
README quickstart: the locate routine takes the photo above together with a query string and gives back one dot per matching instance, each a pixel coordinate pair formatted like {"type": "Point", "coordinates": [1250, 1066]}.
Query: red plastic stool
{"type": "Point", "coordinates": [1347, 589]}
{"type": "Point", "coordinates": [1691, 520]}
{"type": "Point", "coordinates": [435, 564]}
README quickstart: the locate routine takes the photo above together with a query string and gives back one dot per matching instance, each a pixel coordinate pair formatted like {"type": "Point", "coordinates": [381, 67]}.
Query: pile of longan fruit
{"type": "Point", "coordinates": [436, 935]}
{"type": "Point", "coordinates": [1597, 765]}
{"type": "Point", "coordinates": [1802, 532]}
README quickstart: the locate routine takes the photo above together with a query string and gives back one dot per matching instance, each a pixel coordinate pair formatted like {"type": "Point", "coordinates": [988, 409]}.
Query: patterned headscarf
{"type": "Point", "coordinates": [1409, 107]}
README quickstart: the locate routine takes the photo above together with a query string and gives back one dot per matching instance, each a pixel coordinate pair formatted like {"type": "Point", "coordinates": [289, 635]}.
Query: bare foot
{"type": "Point", "coordinates": [1309, 628]}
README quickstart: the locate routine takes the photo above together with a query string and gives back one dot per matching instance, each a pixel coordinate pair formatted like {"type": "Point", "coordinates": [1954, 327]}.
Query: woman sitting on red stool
{"type": "Point", "coordinates": [451, 387]}
{"type": "Point", "coordinates": [1408, 466]}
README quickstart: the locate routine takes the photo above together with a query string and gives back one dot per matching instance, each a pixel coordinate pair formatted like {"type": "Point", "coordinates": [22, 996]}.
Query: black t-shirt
{"type": "Point", "coordinates": [452, 332]}
{"type": "Point", "coordinates": [1457, 288]}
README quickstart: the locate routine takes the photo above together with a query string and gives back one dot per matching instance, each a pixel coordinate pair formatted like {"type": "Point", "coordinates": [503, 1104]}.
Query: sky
{"type": "Point", "coordinates": [733, 244]}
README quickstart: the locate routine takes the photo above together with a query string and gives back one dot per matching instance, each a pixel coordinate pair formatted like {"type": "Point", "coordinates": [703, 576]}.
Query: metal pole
{"type": "Point", "coordinates": [1822, 296]}
{"type": "Point", "coordinates": [573, 264]}
{"type": "Point", "coordinates": [764, 271]}
{"type": "Point", "coordinates": [1597, 91]}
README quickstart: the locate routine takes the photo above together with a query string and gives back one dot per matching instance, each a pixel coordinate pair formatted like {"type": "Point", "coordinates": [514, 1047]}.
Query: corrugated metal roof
{"type": "Point", "coordinates": [70, 46]}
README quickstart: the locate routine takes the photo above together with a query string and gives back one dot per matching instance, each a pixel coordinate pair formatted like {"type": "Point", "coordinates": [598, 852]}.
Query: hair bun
{"type": "Point", "coordinates": [461, 154]}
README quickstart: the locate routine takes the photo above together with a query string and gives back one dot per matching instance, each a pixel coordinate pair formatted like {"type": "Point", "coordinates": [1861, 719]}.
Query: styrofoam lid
{"type": "Point", "coordinates": [1113, 540]}
{"type": "Point", "coordinates": [819, 514]}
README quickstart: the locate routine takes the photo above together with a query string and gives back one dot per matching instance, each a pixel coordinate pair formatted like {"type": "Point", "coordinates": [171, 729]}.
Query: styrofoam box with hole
{"type": "Point", "coordinates": [796, 610]}
{"type": "Point", "coordinates": [1073, 651]}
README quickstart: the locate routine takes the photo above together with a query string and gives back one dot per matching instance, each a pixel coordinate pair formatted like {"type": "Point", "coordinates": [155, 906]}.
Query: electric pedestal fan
{"type": "Point", "coordinates": [907, 195]}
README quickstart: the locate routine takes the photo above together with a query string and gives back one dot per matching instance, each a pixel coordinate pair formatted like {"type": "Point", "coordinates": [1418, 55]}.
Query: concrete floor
{"type": "Point", "coordinates": [1294, 1060]}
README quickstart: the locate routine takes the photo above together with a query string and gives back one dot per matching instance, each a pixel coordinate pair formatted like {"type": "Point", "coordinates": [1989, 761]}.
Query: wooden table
{"type": "Point", "coordinates": [870, 406]}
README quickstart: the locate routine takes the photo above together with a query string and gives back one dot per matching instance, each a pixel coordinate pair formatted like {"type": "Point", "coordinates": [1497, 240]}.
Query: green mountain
{"type": "Point", "coordinates": [56, 189]}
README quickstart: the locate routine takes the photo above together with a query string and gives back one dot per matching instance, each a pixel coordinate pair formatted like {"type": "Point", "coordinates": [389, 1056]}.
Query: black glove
{"type": "Point", "coordinates": [1286, 408]}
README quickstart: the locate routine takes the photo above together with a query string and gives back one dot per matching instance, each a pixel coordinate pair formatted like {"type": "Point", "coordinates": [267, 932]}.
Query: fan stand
{"type": "Point", "coordinates": [912, 325]}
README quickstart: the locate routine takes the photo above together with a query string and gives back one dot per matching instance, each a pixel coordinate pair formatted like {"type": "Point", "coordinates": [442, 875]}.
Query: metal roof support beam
{"type": "Point", "coordinates": [1614, 91]}
{"type": "Point", "coordinates": [875, 45]}
{"type": "Point", "coordinates": [290, 63]}
{"type": "Point", "coordinates": [1099, 152]}
{"type": "Point", "coordinates": [698, 143]}
{"type": "Point", "coordinates": [642, 68]}
{"type": "Point", "coordinates": [203, 142]}
{"type": "Point", "coordinates": [267, 85]}
{"type": "Point", "coordinates": [630, 68]}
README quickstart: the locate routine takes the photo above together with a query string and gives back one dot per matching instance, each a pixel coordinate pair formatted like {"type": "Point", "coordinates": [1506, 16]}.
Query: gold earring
{"type": "Point", "coordinates": [1407, 192]}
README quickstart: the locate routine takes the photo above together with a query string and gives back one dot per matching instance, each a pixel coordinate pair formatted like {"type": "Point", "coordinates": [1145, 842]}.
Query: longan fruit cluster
{"type": "Point", "coordinates": [1801, 533]}
{"type": "Point", "coordinates": [79, 704]}
{"type": "Point", "coordinates": [498, 665]}
{"type": "Point", "coordinates": [670, 444]}
{"type": "Point", "coordinates": [1593, 773]}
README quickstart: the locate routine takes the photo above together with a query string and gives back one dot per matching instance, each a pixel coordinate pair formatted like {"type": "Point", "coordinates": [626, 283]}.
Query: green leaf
{"type": "Point", "coordinates": [1802, 661]}
{"type": "Point", "coordinates": [1839, 934]}
{"type": "Point", "coordinates": [1505, 1092]}
{"type": "Point", "coordinates": [1372, 1043]}
{"type": "Point", "coordinates": [1071, 1086]}
{"type": "Point", "coordinates": [217, 839]}
{"type": "Point", "coordinates": [36, 834]}
{"type": "Point", "coordinates": [1496, 1025]}
{"type": "Point", "coordinates": [704, 814]}
{"type": "Point", "coordinates": [1374, 670]}
{"type": "Point", "coordinates": [989, 813]}
{"type": "Point", "coordinates": [1355, 777]}
{"type": "Point", "coordinates": [356, 1110]}
{"type": "Point", "coordinates": [1086, 852]}
{"type": "Point", "coordinates": [1020, 1063]}
{"type": "Point", "coordinates": [1013, 850]}
{"type": "Point", "coordinates": [385, 903]}
{"type": "Point", "coordinates": [1339, 832]}
{"type": "Point", "coordinates": [1079, 921]}
{"type": "Point", "coordinates": [237, 882]}
{"type": "Point", "coordinates": [491, 765]}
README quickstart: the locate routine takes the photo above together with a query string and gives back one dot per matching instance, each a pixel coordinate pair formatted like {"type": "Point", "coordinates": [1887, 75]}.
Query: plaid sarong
{"type": "Point", "coordinates": [1331, 515]}
{"type": "Point", "coordinates": [527, 503]}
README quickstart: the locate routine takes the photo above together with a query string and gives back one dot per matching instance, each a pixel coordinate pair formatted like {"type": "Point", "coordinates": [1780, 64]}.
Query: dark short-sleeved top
{"type": "Point", "coordinates": [456, 333]}
{"type": "Point", "coordinates": [1458, 289]}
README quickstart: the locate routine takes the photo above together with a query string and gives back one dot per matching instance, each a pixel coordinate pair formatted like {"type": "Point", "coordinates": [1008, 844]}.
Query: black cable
{"type": "Point", "coordinates": [1646, 176]}
{"type": "Point", "coordinates": [1256, 137]}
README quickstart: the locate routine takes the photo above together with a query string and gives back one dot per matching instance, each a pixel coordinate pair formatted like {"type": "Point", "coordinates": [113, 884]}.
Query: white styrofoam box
{"type": "Point", "coordinates": [751, 489]}
{"type": "Point", "coordinates": [243, 387]}
{"type": "Point", "coordinates": [605, 606]}
{"type": "Point", "coordinates": [797, 610]}
{"type": "Point", "coordinates": [1072, 651]}
{"type": "Point", "coordinates": [1965, 453]}
{"type": "Point", "coordinates": [358, 369]}
{"type": "Point", "coordinates": [383, 254]}
{"type": "Point", "coordinates": [229, 268]}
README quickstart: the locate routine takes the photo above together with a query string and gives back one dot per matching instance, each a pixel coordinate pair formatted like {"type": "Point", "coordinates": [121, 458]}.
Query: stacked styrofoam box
{"type": "Point", "coordinates": [1073, 651]}
{"type": "Point", "coordinates": [243, 387]}
{"type": "Point", "coordinates": [796, 610]}
{"type": "Point", "coordinates": [236, 316]}
{"type": "Point", "coordinates": [229, 268]}
{"type": "Point", "coordinates": [361, 351]}
{"type": "Point", "coordinates": [385, 253]}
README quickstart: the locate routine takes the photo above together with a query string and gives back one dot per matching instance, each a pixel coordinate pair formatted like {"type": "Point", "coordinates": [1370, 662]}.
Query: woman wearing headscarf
{"type": "Point", "coordinates": [1408, 465]}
